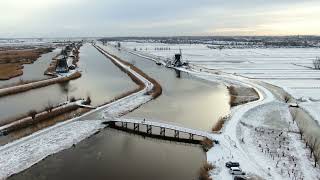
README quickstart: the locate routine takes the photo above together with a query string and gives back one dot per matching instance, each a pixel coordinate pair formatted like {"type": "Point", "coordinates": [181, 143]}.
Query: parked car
{"type": "Point", "coordinates": [236, 171]}
{"type": "Point", "coordinates": [232, 164]}
{"type": "Point", "coordinates": [239, 178]}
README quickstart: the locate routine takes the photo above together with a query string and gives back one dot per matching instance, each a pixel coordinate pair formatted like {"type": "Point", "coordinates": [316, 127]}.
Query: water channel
{"type": "Point", "coordinates": [113, 154]}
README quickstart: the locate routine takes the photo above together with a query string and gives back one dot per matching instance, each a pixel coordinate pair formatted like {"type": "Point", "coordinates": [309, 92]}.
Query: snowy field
{"type": "Point", "coordinates": [288, 68]}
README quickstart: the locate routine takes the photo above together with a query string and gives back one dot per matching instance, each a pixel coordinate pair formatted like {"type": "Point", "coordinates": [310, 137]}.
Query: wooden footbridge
{"type": "Point", "coordinates": [163, 126]}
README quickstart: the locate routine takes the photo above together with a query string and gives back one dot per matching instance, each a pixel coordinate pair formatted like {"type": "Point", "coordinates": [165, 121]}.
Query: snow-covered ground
{"type": "Point", "coordinates": [260, 135]}
{"type": "Point", "coordinates": [252, 135]}
{"type": "Point", "coordinates": [288, 68]}
{"type": "Point", "coordinates": [23, 153]}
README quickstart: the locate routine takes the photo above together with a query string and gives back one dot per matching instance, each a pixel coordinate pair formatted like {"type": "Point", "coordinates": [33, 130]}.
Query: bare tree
{"type": "Point", "coordinates": [49, 107]}
{"type": "Point", "coordinates": [88, 100]}
{"type": "Point", "coordinates": [316, 63]}
{"type": "Point", "coordinates": [32, 114]}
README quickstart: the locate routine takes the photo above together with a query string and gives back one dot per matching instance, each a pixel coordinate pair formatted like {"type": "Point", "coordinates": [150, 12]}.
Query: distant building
{"type": "Point", "coordinates": [177, 60]}
{"type": "Point", "coordinates": [62, 65]}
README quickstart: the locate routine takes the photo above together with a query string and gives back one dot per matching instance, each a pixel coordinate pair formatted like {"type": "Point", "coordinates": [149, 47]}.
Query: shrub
{"type": "Point", "coordinates": [218, 126]}
{"type": "Point", "coordinates": [206, 144]}
{"type": "Point", "coordinates": [32, 114]}
{"type": "Point", "coordinates": [88, 101]}
{"type": "Point", "coordinates": [72, 99]}
{"type": "Point", "coordinates": [204, 171]}
{"type": "Point", "coordinates": [49, 107]}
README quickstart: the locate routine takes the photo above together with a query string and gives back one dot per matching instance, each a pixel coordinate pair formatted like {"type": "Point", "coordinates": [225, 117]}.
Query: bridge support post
{"type": "Point", "coordinates": [162, 131]}
{"type": "Point", "coordinates": [124, 125]}
{"type": "Point", "coordinates": [136, 127]}
{"type": "Point", "coordinates": [176, 134]}
{"type": "Point", "coordinates": [149, 129]}
{"type": "Point", "coordinates": [191, 136]}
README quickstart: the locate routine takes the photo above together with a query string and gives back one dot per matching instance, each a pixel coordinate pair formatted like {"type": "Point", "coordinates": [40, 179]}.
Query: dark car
{"type": "Point", "coordinates": [239, 178]}
{"type": "Point", "coordinates": [232, 164]}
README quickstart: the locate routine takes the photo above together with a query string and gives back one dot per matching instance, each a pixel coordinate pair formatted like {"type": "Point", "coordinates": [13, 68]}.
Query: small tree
{"type": "Point", "coordinates": [88, 100]}
{"type": "Point", "coordinates": [72, 99]}
{"type": "Point", "coordinates": [286, 98]}
{"type": "Point", "coordinates": [32, 114]}
{"type": "Point", "coordinates": [49, 107]}
{"type": "Point", "coordinates": [316, 63]}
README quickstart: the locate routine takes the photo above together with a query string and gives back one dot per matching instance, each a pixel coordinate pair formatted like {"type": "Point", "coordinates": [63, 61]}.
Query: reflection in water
{"type": "Point", "coordinates": [178, 73]}
{"type": "Point", "coordinates": [185, 100]}
{"type": "Point", "coordinates": [118, 155]}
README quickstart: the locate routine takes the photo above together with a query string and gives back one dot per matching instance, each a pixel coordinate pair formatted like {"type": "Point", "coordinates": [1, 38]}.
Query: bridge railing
{"type": "Point", "coordinates": [166, 124]}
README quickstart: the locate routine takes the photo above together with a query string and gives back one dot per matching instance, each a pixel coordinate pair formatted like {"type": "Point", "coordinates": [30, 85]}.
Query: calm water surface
{"type": "Point", "coordinates": [117, 155]}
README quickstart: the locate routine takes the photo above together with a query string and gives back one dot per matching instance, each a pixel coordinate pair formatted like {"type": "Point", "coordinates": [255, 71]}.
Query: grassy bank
{"type": "Point", "coordinates": [242, 95]}
{"type": "Point", "coordinates": [33, 117]}
{"type": "Point", "coordinates": [11, 61]}
{"type": "Point", "coordinates": [8, 71]}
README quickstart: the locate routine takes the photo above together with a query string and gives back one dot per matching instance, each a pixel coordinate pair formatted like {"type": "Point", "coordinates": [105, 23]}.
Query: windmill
{"type": "Point", "coordinates": [178, 59]}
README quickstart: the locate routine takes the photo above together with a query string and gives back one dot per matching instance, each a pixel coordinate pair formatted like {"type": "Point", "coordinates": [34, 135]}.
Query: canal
{"type": "Point", "coordinates": [113, 154]}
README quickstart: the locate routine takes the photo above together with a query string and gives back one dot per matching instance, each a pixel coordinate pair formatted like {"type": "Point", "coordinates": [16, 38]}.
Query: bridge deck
{"type": "Point", "coordinates": [166, 125]}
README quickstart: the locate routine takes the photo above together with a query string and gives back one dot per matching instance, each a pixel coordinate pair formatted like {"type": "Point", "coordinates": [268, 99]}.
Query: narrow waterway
{"type": "Point", "coordinates": [185, 100]}
{"type": "Point", "coordinates": [117, 155]}
{"type": "Point", "coordinates": [101, 80]}
{"type": "Point", "coordinates": [113, 154]}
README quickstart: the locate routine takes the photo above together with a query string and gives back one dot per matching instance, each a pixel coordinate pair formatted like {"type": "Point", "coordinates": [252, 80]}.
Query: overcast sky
{"type": "Point", "coordinates": [72, 18]}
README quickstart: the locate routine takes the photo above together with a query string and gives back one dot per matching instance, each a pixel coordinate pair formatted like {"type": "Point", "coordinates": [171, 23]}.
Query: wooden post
{"type": "Point", "coordinates": [176, 134]}
{"type": "Point", "coordinates": [136, 127]}
{"type": "Point", "coordinates": [162, 131]}
{"type": "Point", "coordinates": [190, 136]}
{"type": "Point", "coordinates": [149, 129]}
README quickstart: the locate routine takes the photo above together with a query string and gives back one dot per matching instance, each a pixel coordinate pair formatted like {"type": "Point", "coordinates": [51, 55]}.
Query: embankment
{"type": "Point", "coordinates": [38, 84]}
{"type": "Point", "coordinates": [156, 90]}
{"type": "Point", "coordinates": [33, 117]}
